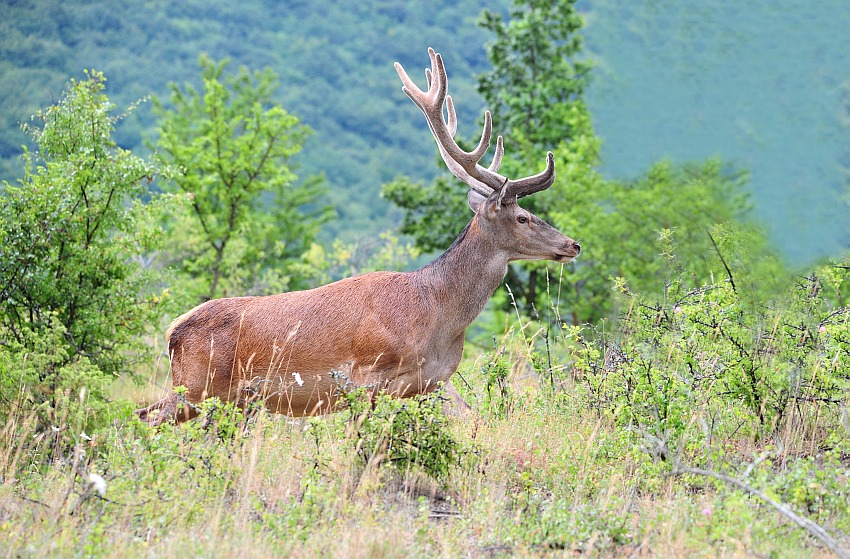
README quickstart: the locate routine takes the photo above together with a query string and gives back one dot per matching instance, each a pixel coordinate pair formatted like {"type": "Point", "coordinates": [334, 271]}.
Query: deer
{"type": "Point", "coordinates": [400, 333]}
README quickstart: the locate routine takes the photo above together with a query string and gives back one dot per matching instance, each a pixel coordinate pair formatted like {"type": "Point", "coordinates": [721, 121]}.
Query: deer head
{"type": "Point", "coordinates": [493, 197]}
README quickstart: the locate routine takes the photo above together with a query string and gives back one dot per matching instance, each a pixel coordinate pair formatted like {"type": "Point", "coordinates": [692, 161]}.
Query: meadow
{"type": "Point", "coordinates": [701, 425]}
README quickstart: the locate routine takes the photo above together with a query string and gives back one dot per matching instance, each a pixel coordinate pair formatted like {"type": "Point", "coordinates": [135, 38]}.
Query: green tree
{"type": "Point", "coordinates": [536, 77]}
{"type": "Point", "coordinates": [535, 91]}
{"type": "Point", "coordinates": [535, 84]}
{"type": "Point", "coordinates": [248, 220]}
{"type": "Point", "coordinates": [75, 295]}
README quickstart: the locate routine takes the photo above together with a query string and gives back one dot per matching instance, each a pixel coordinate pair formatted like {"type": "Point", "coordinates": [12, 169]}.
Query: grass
{"type": "Point", "coordinates": [548, 478]}
{"type": "Point", "coordinates": [578, 447]}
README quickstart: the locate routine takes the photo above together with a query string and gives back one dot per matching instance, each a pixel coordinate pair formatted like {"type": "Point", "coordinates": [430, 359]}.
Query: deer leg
{"type": "Point", "coordinates": [456, 406]}
{"type": "Point", "coordinates": [168, 410]}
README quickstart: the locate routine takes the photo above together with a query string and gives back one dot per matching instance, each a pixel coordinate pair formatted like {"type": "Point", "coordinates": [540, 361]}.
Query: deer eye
{"type": "Point", "coordinates": [522, 219]}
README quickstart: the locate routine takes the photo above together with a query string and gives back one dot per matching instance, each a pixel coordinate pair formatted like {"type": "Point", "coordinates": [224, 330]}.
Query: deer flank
{"type": "Point", "coordinates": [401, 333]}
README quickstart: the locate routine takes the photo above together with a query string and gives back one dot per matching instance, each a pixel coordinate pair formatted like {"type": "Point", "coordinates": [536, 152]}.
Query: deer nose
{"type": "Point", "coordinates": [577, 247]}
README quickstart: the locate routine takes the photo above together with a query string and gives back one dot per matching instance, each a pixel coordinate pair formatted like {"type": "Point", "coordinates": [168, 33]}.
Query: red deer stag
{"type": "Point", "coordinates": [401, 333]}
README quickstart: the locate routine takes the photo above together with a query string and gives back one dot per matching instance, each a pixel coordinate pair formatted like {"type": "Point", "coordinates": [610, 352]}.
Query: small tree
{"type": "Point", "coordinates": [75, 296]}
{"type": "Point", "coordinates": [72, 233]}
{"type": "Point", "coordinates": [247, 219]}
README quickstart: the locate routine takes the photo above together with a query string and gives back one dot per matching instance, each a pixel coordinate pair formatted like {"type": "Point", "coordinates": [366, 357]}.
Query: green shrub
{"type": "Point", "coordinates": [50, 400]}
{"type": "Point", "coordinates": [410, 433]}
{"type": "Point", "coordinates": [75, 298]}
{"type": "Point", "coordinates": [498, 399]}
{"type": "Point", "coordinates": [721, 358]}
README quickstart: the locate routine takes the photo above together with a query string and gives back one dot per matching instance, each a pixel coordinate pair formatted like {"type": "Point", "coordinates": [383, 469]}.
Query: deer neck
{"type": "Point", "coordinates": [464, 277]}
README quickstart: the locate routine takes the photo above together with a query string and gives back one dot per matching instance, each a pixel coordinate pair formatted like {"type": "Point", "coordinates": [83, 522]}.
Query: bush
{"type": "Point", "coordinates": [722, 358]}
{"type": "Point", "coordinates": [75, 297]}
{"type": "Point", "coordinates": [40, 380]}
{"type": "Point", "coordinates": [405, 434]}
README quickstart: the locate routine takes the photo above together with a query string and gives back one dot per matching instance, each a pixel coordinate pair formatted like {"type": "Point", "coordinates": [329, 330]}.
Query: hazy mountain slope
{"type": "Point", "coordinates": [335, 61]}
{"type": "Point", "coordinates": [758, 83]}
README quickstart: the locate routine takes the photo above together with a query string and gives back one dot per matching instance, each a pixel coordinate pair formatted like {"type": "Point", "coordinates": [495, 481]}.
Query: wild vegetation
{"type": "Point", "coordinates": [677, 391]}
{"type": "Point", "coordinates": [579, 445]}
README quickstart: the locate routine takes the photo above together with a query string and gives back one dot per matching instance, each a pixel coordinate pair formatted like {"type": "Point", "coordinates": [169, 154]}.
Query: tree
{"type": "Point", "coordinates": [535, 92]}
{"type": "Point", "coordinates": [536, 77]}
{"type": "Point", "coordinates": [75, 297]}
{"type": "Point", "coordinates": [247, 220]}
{"type": "Point", "coordinates": [535, 85]}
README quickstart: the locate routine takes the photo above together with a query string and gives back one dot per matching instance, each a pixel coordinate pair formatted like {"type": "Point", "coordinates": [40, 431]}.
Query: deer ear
{"type": "Point", "coordinates": [475, 200]}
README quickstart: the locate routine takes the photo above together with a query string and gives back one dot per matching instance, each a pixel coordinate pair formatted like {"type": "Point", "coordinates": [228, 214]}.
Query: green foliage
{"type": "Point", "coordinates": [623, 221]}
{"type": "Point", "coordinates": [677, 79]}
{"type": "Point", "coordinates": [536, 79]}
{"type": "Point", "coordinates": [434, 214]}
{"type": "Point", "coordinates": [561, 525]}
{"type": "Point", "coordinates": [667, 83]}
{"type": "Point", "coordinates": [247, 220]}
{"type": "Point", "coordinates": [551, 477]}
{"type": "Point", "coordinates": [497, 392]}
{"type": "Point", "coordinates": [75, 296]}
{"type": "Point", "coordinates": [403, 433]}
{"type": "Point", "coordinates": [47, 391]}
{"type": "Point", "coordinates": [320, 265]}
{"type": "Point", "coordinates": [535, 90]}
{"type": "Point", "coordinates": [756, 361]}
{"type": "Point", "coordinates": [536, 85]}
{"type": "Point", "coordinates": [334, 60]}
{"type": "Point", "coordinates": [156, 467]}
{"type": "Point", "coordinates": [815, 485]}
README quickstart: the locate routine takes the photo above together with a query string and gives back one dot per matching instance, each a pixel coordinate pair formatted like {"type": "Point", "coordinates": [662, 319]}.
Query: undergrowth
{"type": "Point", "coordinates": [583, 440]}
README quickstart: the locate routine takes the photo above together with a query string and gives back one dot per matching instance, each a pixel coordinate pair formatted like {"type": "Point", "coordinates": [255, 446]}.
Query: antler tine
{"type": "Point", "coordinates": [452, 122]}
{"type": "Point", "coordinates": [465, 165]}
{"type": "Point", "coordinates": [535, 183]}
{"type": "Point", "coordinates": [468, 160]}
{"type": "Point", "coordinates": [497, 157]}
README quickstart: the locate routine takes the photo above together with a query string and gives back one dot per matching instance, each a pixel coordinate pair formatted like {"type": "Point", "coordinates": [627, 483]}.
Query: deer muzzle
{"type": "Point", "coordinates": [569, 252]}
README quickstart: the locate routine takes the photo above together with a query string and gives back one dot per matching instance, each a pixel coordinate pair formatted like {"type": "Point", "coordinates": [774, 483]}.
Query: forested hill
{"type": "Point", "coordinates": [760, 84]}
{"type": "Point", "coordinates": [334, 59]}
{"type": "Point", "coordinates": [765, 84]}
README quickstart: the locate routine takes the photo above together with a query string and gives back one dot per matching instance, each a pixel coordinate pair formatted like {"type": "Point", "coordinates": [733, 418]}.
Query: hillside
{"type": "Point", "coordinates": [335, 63]}
{"type": "Point", "coordinates": [678, 391]}
{"type": "Point", "coordinates": [759, 84]}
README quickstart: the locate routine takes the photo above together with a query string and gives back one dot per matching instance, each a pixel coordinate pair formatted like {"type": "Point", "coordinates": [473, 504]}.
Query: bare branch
{"type": "Point", "coordinates": [810, 526]}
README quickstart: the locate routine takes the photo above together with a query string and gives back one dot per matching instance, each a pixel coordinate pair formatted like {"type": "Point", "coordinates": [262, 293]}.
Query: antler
{"type": "Point", "coordinates": [464, 165]}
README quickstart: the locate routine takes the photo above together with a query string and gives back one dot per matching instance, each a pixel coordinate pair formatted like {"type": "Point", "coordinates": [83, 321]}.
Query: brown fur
{"type": "Point", "coordinates": [401, 333]}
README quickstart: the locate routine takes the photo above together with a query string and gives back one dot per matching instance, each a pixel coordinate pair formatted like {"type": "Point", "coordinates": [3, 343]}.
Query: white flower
{"type": "Point", "coordinates": [98, 483]}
